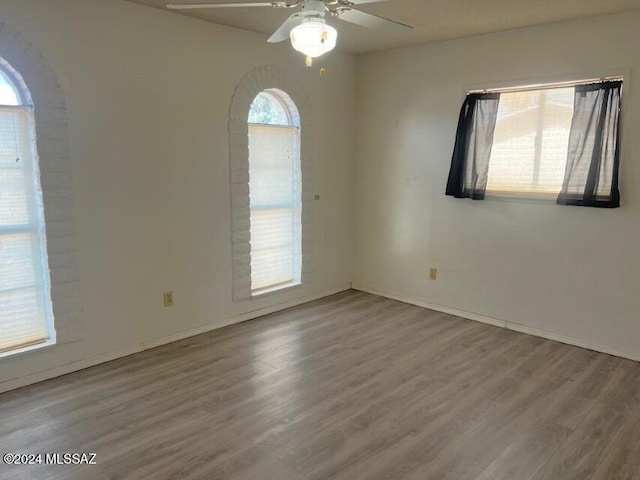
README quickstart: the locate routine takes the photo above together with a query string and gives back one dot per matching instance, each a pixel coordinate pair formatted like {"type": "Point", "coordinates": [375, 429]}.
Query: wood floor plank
{"type": "Point", "coordinates": [579, 456]}
{"type": "Point", "coordinates": [622, 461]}
{"type": "Point", "coordinates": [524, 456]}
{"type": "Point", "coordinates": [348, 387]}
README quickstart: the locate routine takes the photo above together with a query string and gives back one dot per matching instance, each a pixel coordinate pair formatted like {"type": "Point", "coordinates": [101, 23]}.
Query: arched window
{"type": "Point", "coordinates": [26, 316]}
{"type": "Point", "coordinates": [275, 186]}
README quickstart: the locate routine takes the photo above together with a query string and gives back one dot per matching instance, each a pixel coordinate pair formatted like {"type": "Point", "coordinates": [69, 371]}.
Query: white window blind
{"type": "Point", "coordinates": [275, 205]}
{"type": "Point", "coordinates": [531, 139]}
{"type": "Point", "coordinates": [25, 307]}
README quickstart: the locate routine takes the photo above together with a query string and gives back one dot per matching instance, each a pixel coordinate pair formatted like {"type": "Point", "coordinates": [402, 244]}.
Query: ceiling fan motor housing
{"type": "Point", "coordinates": [312, 8]}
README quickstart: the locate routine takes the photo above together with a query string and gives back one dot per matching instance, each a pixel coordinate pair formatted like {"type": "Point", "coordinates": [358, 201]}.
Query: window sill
{"type": "Point", "coordinates": [28, 349]}
{"type": "Point", "coordinates": [277, 289]}
{"type": "Point", "coordinates": [523, 197]}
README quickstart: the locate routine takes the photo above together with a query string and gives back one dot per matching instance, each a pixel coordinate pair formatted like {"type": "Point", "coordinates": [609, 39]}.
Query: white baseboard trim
{"type": "Point", "coordinates": [140, 347]}
{"type": "Point", "coordinates": [537, 332]}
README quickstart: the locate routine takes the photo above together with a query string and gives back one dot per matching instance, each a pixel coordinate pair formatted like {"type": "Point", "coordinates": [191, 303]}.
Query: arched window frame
{"type": "Point", "coordinates": [24, 105]}
{"type": "Point", "coordinates": [258, 80]}
{"type": "Point", "coordinates": [34, 78]}
{"type": "Point", "coordinates": [285, 104]}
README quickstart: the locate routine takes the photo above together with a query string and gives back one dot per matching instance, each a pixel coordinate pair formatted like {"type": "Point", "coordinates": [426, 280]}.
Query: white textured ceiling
{"type": "Point", "coordinates": [433, 20]}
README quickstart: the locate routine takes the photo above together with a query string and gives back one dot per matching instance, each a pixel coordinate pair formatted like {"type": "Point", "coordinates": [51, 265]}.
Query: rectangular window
{"type": "Point", "coordinates": [559, 141]}
{"type": "Point", "coordinates": [25, 309]}
{"type": "Point", "coordinates": [275, 206]}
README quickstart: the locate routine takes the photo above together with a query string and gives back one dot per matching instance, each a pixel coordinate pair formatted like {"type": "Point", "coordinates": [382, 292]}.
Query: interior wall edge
{"type": "Point", "coordinates": [59, 371]}
{"type": "Point", "coordinates": [516, 327]}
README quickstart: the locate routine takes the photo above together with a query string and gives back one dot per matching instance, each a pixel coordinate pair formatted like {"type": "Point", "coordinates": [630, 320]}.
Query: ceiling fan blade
{"type": "Point", "coordinates": [193, 6]}
{"type": "Point", "coordinates": [283, 32]}
{"type": "Point", "coordinates": [369, 20]}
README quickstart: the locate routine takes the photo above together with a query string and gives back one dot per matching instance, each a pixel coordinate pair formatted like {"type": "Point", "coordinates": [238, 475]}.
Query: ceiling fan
{"type": "Point", "coordinates": [307, 28]}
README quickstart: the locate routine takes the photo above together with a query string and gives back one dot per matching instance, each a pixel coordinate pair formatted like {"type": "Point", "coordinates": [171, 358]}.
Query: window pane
{"type": "Point", "coordinates": [531, 141]}
{"type": "Point", "coordinates": [16, 174]}
{"type": "Point", "coordinates": [267, 110]}
{"type": "Point", "coordinates": [15, 204]}
{"type": "Point", "coordinates": [271, 247]}
{"type": "Point", "coordinates": [13, 136]}
{"type": "Point", "coordinates": [18, 257]}
{"type": "Point", "coordinates": [271, 155]}
{"type": "Point", "coordinates": [22, 318]}
{"type": "Point", "coordinates": [8, 93]}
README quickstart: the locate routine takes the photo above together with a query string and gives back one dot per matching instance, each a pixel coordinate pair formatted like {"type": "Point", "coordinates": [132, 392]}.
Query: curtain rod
{"type": "Point", "coordinates": [546, 86]}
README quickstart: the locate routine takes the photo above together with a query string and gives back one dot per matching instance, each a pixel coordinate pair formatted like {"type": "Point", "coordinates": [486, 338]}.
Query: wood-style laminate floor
{"type": "Point", "coordinates": [350, 387]}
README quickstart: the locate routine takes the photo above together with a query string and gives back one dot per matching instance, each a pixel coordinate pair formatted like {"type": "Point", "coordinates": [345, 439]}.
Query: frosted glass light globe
{"type": "Point", "coordinates": [313, 37]}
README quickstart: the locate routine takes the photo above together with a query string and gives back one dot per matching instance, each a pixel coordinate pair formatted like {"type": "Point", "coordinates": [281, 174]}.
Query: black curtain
{"type": "Point", "coordinates": [474, 139]}
{"type": "Point", "coordinates": [591, 175]}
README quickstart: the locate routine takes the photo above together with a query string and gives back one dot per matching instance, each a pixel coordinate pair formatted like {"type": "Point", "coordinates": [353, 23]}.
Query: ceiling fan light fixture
{"type": "Point", "coordinates": [313, 37]}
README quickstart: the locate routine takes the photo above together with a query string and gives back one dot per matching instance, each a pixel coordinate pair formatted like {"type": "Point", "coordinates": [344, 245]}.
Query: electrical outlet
{"type": "Point", "coordinates": [433, 273]}
{"type": "Point", "coordinates": [168, 299]}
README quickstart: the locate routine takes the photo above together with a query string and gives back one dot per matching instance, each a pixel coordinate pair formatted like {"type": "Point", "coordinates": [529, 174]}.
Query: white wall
{"type": "Point", "coordinates": [148, 94]}
{"type": "Point", "coordinates": [565, 272]}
